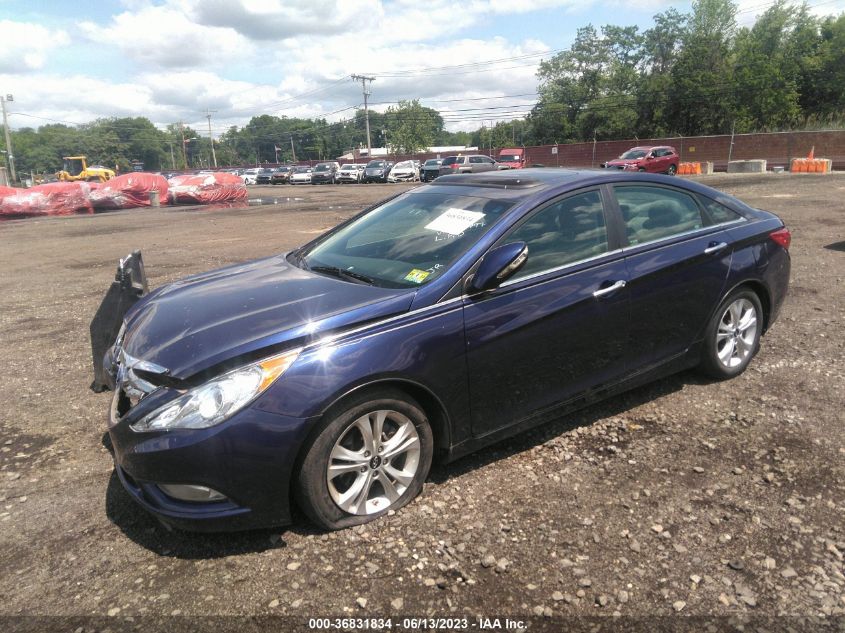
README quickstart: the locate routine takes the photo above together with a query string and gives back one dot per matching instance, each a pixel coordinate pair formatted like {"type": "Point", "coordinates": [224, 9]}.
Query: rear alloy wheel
{"type": "Point", "coordinates": [371, 458]}
{"type": "Point", "coordinates": [733, 335]}
{"type": "Point", "coordinates": [672, 170]}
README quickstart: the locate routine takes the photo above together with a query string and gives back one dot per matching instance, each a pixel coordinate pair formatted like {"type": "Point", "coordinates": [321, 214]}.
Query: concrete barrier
{"type": "Point", "coordinates": [747, 167]}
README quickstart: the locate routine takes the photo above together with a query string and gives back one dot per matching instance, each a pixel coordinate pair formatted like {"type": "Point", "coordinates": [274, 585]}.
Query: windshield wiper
{"type": "Point", "coordinates": [343, 274]}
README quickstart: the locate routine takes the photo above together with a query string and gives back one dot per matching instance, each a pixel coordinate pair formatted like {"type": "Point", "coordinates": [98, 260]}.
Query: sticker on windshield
{"type": "Point", "coordinates": [454, 221]}
{"type": "Point", "coordinates": [417, 276]}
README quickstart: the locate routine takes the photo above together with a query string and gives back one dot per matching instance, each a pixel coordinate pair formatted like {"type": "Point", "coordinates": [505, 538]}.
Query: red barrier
{"type": "Point", "coordinates": [129, 191]}
{"type": "Point", "coordinates": [207, 189]}
{"type": "Point", "coordinates": [55, 198]}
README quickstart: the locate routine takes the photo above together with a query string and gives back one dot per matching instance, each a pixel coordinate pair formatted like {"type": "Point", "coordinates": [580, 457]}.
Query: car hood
{"type": "Point", "coordinates": [202, 321]}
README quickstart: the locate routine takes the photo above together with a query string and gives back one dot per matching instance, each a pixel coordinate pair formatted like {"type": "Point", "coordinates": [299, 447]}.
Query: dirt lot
{"type": "Point", "coordinates": [685, 497]}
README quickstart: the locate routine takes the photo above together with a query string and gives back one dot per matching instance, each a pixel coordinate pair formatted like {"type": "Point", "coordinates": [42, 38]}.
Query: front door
{"type": "Point", "coordinates": [558, 327]}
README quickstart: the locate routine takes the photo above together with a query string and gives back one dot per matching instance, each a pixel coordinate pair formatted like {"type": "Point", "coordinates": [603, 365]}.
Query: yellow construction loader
{"type": "Point", "coordinates": [75, 168]}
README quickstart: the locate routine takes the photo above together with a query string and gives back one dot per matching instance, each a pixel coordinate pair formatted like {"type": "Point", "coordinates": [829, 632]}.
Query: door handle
{"type": "Point", "coordinates": [606, 291]}
{"type": "Point", "coordinates": [715, 248]}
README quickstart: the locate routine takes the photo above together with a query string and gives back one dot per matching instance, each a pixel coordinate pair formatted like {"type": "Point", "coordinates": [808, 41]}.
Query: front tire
{"type": "Point", "coordinates": [370, 456]}
{"type": "Point", "coordinates": [732, 337]}
{"type": "Point", "coordinates": [673, 169]}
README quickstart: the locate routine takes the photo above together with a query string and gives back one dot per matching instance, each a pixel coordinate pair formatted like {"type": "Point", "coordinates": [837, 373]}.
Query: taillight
{"type": "Point", "coordinates": [454, 166]}
{"type": "Point", "coordinates": [782, 237]}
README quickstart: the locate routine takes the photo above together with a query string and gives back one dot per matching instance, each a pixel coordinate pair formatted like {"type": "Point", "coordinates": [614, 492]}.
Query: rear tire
{"type": "Point", "coordinates": [347, 478]}
{"type": "Point", "coordinates": [732, 337]}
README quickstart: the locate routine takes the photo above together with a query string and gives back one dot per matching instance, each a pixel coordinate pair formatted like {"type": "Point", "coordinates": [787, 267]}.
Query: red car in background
{"type": "Point", "coordinates": [659, 159]}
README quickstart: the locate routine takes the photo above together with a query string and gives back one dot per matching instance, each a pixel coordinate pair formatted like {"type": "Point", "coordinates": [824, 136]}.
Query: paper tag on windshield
{"type": "Point", "coordinates": [454, 221]}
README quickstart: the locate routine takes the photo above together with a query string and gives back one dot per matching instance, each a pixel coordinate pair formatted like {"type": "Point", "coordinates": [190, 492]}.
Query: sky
{"type": "Point", "coordinates": [174, 60]}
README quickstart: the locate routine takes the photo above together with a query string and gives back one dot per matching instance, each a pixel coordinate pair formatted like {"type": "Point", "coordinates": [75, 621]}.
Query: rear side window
{"type": "Point", "coordinates": [719, 213]}
{"type": "Point", "coordinates": [564, 232]}
{"type": "Point", "coordinates": [655, 213]}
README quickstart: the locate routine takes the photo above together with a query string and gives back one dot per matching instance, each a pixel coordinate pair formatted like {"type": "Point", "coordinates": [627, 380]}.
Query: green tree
{"type": "Point", "coordinates": [701, 92]}
{"type": "Point", "coordinates": [411, 127]}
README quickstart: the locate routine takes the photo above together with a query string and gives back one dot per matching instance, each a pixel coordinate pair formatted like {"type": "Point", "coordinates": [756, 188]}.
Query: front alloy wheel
{"type": "Point", "coordinates": [370, 457]}
{"type": "Point", "coordinates": [373, 462]}
{"type": "Point", "coordinates": [672, 170]}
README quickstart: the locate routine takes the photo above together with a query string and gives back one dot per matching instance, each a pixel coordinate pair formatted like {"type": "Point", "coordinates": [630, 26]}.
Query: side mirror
{"type": "Point", "coordinates": [498, 265]}
{"type": "Point", "coordinates": [649, 157]}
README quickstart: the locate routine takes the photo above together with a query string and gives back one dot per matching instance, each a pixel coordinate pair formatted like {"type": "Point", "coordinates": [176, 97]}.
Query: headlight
{"type": "Point", "coordinates": [218, 399]}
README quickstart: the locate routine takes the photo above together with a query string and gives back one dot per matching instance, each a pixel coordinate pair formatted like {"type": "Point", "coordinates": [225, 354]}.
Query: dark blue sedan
{"type": "Point", "coordinates": [446, 318]}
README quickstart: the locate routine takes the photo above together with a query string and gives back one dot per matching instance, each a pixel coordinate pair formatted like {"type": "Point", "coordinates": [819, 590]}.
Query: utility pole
{"type": "Point", "coordinates": [364, 81]}
{"type": "Point", "coordinates": [184, 151]}
{"type": "Point", "coordinates": [208, 114]}
{"type": "Point", "coordinates": [9, 153]}
{"type": "Point", "coordinates": [172, 159]}
{"type": "Point", "coordinates": [292, 150]}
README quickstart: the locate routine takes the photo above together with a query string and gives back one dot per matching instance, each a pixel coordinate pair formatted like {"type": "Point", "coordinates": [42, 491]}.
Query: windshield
{"type": "Point", "coordinates": [73, 166]}
{"type": "Point", "coordinates": [432, 162]}
{"type": "Point", "coordinates": [632, 154]}
{"type": "Point", "coordinates": [375, 163]}
{"type": "Point", "coordinates": [452, 160]}
{"type": "Point", "coordinates": [409, 240]}
{"type": "Point", "coordinates": [347, 167]}
{"type": "Point", "coordinates": [322, 168]}
{"type": "Point", "coordinates": [509, 158]}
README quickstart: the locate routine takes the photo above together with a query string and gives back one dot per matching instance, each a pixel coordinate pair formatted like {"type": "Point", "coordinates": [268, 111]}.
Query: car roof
{"type": "Point", "coordinates": [523, 183]}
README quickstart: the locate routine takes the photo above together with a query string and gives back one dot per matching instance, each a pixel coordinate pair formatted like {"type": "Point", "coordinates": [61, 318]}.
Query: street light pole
{"type": "Point", "coordinates": [10, 154]}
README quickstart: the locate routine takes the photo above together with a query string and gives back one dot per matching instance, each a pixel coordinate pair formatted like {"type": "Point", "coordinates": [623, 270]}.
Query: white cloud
{"type": "Point", "coordinates": [46, 98]}
{"type": "Point", "coordinates": [272, 21]}
{"type": "Point", "coordinates": [25, 46]}
{"type": "Point", "coordinates": [165, 37]}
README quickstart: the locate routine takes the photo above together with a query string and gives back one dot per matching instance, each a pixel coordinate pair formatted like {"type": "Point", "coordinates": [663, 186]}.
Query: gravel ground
{"type": "Point", "coordinates": [682, 498]}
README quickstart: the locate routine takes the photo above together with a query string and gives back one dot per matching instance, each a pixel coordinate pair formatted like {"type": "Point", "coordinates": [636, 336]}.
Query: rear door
{"type": "Point", "coordinates": [559, 326]}
{"type": "Point", "coordinates": [677, 267]}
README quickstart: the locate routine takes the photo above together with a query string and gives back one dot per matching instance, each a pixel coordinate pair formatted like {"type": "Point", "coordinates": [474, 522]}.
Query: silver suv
{"type": "Point", "coordinates": [471, 164]}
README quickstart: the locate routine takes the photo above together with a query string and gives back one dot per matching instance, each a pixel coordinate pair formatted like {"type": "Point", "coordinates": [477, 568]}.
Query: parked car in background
{"type": "Point", "coordinates": [249, 175]}
{"type": "Point", "coordinates": [263, 176]}
{"type": "Point", "coordinates": [300, 176]}
{"type": "Point", "coordinates": [440, 321]}
{"type": "Point", "coordinates": [325, 173]}
{"type": "Point", "coordinates": [350, 172]}
{"type": "Point", "coordinates": [430, 169]}
{"type": "Point", "coordinates": [281, 175]}
{"type": "Point", "coordinates": [470, 164]}
{"type": "Point", "coordinates": [405, 170]}
{"type": "Point", "coordinates": [660, 159]}
{"type": "Point", "coordinates": [377, 170]}
{"type": "Point", "coordinates": [511, 158]}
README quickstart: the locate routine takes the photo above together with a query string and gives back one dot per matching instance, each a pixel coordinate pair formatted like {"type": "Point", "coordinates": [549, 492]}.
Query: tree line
{"type": "Point", "coordinates": [688, 74]}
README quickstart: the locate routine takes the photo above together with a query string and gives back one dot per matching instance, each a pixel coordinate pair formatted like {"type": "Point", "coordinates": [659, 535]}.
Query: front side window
{"type": "Point", "coordinates": [406, 242]}
{"type": "Point", "coordinates": [564, 232]}
{"type": "Point", "coordinates": [655, 213]}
